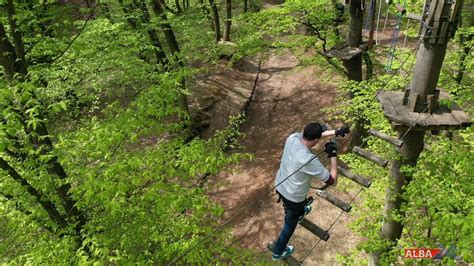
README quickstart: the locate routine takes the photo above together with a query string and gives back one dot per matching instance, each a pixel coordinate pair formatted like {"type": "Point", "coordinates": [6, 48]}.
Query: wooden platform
{"type": "Point", "coordinates": [442, 118]}
{"type": "Point", "coordinates": [344, 52]}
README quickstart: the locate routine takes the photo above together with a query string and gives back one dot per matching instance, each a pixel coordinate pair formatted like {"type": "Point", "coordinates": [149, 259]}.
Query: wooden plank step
{"type": "Point", "coordinates": [334, 200]}
{"type": "Point", "coordinates": [354, 177]}
{"type": "Point", "coordinates": [290, 259]}
{"type": "Point", "coordinates": [369, 156]}
{"type": "Point", "coordinates": [414, 16]}
{"type": "Point", "coordinates": [316, 230]}
{"type": "Point", "coordinates": [386, 137]}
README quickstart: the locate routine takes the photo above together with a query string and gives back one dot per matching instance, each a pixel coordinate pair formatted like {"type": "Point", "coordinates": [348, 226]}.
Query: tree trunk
{"type": "Point", "coordinates": [38, 136]}
{"type": "Point", "coordinates": [246, 6]}
{"type": "Point", "coordinates": [207, 13]}
{"type": "Point", "coordinates": [392, 229]}
{"type": "Point", "coordinates": [159, 52]}
{"type": "Point", "coordinates": [173, 45]}
{"type": "Point", "coordinates": [17, 39]}
{"type": "Point", "coordinates": [228, 20]}
{"type": "Point", "coordinates": [466, 49]}
{"type": "Point", "coordinates": [178, 7]}
{"type": "Point", "coordinates": [47, 205]}
{"type": "Point", "coordinates": [166, 27]}
{"type": "Point", "coordinates": [372, 23]}
{"type": "Point", "coordinates": [354, 65]}
{"type": "Point", "coordinates": [127, 10]}
{"type": "Point", "coordinates": [369, 65]}
{"type": "Point", "coordinates": [429, 60]}
{"type": "Point", "coordinates": [7, 55]}
{"type": "Point", "coordinates": [217, 25]}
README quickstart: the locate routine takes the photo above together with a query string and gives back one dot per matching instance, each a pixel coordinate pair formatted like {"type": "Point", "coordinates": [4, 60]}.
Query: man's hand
{"type": "Point", "coordinates": [331, 149]}
{"type": "Point", "coordinates": [343, 131]}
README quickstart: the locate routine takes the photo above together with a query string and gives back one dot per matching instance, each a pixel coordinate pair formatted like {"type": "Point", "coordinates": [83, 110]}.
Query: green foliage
{"type": "Point", "coordinates": [281, 27]}
{"type": "Point", "coordinates": [437, 212]}
{"type": "Point", "coordinates": [120, 136]}
{"type": "Point", "coordinates": [440, 196]}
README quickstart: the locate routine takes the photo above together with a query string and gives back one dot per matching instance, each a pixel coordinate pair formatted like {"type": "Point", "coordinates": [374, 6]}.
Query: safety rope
{"type": "Point", "coordinates": [393, 45]}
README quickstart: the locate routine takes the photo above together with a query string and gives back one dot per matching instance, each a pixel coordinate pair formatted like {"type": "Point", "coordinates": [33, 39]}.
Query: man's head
{"type": "Point", "coordinates": [311, 134]}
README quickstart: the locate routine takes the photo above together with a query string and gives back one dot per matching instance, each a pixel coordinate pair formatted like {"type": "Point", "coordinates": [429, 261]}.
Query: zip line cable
{"type": "Point", "coordinates": [223, 225]}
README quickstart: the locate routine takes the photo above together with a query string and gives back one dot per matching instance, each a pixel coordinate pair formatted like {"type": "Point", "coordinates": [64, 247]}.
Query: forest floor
{"type": "Point", "coordinates": [287, 96]}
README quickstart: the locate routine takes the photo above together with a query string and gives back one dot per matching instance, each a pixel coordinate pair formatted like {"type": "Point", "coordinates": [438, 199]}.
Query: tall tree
{"type": "Point", "coordinates": [429, 60]}
{"type": "Point", "coordinates": [141, 7]}
{"type": "Point", "coordinates": [37, 137]}
{"type": "Point", "coordinates": [207, 13]}
{"type": "Point", "coordinates": [215, 14]}
{"type": "Point", "coordinates": [178, 7]}
{"type": "Point", "coordinates": [173, 46]}
{"type": "Point", "coordinates": [17, 38]}
{"type": "Point", "coordinates": [228, 20]}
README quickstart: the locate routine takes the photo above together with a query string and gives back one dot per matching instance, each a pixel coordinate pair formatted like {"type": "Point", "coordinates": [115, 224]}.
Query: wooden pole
{"type": "Point", "coordinates": [429, 60]}
{"type": "Point", "coordinates": [228, 20]}
{"type": "Point", "coordinates": [372, 23]}
{"type": "Point", "coordinates": [354, 65]}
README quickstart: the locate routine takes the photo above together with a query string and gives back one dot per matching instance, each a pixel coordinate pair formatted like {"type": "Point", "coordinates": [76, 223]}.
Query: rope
{"type": "Point", "coordinates": [378, 21]}
{"type": "Point", "coordinates": [370, 14]}
{"type": "Point", "coordinates": [330, 227]}
{"type": "Point", "coordinates": [406, 34]}
{"type": "Point", "coordinates": [386, 17]}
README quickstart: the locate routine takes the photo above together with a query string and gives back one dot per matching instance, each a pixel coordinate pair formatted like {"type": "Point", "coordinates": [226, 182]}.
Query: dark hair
{"type": "Point", "coordinates": [312, 131]}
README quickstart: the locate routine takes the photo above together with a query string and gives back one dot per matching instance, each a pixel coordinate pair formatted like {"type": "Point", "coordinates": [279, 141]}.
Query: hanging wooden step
{"type": "Point", "coordinates": [414, 16]}
{"type": "Point", "coordinates": [390, 139]}
{"type": "Point", "coordinates": [345, 52]}
{"type": "Point", "coordinates": [369, 156]}
{"type": "Point", "coordinates": [334, 200]}
{"type": "Point", "coordinates": [354, 177]}
{"type": "Point", "coordinates": [316, 230]}
{"type": "Point", "coordinates": [290, 259]}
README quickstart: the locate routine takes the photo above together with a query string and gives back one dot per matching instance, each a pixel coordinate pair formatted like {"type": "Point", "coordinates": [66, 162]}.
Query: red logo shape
{"type": "Point", "coordinates": [422, 253]}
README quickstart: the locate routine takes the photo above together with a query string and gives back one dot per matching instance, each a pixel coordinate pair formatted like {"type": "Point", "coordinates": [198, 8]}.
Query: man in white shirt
{"type": "Point", "coordinates": [293, 180]}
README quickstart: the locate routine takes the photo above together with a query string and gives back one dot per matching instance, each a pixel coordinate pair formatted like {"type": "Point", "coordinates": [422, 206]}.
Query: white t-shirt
{"type": "Point", "coordinates": [295, 154]}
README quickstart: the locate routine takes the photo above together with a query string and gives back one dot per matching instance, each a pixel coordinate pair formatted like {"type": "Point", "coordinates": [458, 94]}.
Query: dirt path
{"type": "Point", "coordinates": [286, 98]}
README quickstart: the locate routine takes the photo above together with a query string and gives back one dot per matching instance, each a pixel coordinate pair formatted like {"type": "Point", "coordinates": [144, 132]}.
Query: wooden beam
{"type": "Point", "coordinates": [316, 230]}
{"type": "Point", "coordinates": [390, 139]}
{"type": "Point", "coordinates": [400, 9]}
{"type": "Point", "coordinates": [290, 259]}
{"type": "Point", "coordinates": [334, 200]}
{"type": "Point", "coordinates": [369, 156]}
{"type": "Point", "coordinates": [414, 16]}
{"type": "Point", "coordinates": [354, 177]}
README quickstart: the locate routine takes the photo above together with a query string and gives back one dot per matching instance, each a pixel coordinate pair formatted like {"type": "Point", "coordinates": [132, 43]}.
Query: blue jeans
{"type": "Point", "coordinates": [293, 210]}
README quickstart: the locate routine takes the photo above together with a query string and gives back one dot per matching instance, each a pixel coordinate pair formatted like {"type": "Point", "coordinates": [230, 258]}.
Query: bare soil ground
{"type": "Point", "coordinates": [286, 98]}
